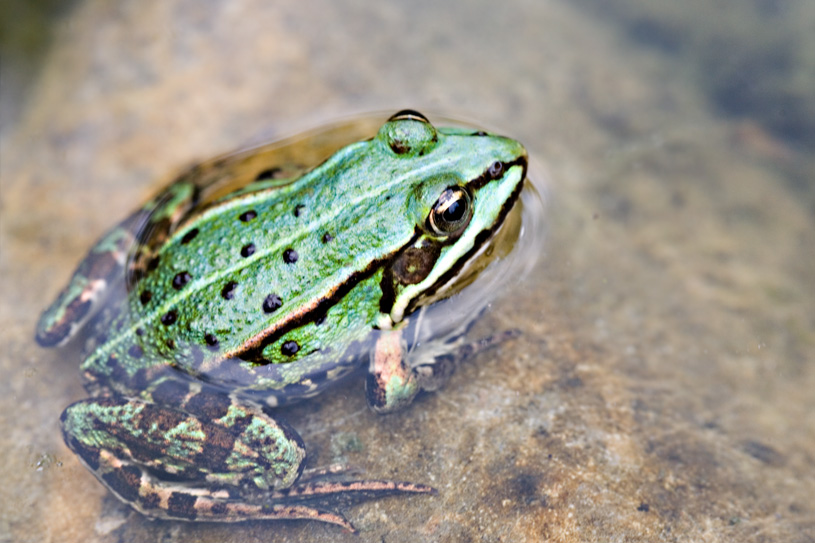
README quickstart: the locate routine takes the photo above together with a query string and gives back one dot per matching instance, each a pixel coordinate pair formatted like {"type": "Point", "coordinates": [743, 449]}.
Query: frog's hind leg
{"type": "Point", "coordinates": [139, 488]}
{"type": "Point", "coordinates": [214, 460]}
{"type": "Point", "coordinates": [333, 492]}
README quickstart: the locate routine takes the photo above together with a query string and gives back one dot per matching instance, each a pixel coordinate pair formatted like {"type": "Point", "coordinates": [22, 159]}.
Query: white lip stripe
{"type": "Point", "coordinates": [464, 269]}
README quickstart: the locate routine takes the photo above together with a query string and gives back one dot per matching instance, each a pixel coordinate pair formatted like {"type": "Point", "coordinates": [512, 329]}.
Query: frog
{"type": "Point", "coordinates": [208, 309]}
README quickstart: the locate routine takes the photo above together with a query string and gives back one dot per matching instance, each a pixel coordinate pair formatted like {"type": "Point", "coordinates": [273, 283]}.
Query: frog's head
{"type": "Point", "coordinates": [464, 184]}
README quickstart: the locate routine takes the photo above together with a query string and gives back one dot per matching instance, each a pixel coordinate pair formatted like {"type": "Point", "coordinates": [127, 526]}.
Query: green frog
{"type": "Point", "coordinates": [210, 306]}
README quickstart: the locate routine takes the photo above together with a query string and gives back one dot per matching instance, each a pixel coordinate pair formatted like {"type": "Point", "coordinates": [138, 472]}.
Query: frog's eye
{"type": "Point", "coordinates": [409, 133]}
{"type": "Point", "coordinates": [451, 213]}
{"type": "Point", "coordinates": [410, 114]}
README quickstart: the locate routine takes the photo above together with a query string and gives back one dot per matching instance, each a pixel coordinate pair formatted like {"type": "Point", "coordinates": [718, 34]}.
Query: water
{"type": "Point", "coordinates": [661, 387]}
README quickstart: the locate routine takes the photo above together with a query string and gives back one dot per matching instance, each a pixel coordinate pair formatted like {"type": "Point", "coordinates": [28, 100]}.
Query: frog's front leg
{"type": "Point", "coordinates": [396, 375]}
{"type": "Point", "coordinates": [207, 459]}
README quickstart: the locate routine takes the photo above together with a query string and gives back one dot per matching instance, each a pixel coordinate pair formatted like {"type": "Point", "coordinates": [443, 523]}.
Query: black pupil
{"type": "Point", "coordinates": [455, 211]}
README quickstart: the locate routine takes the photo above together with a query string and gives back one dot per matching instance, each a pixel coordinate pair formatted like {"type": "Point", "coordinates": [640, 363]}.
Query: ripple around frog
{"type": "Point", "coordinates": [179, 363]}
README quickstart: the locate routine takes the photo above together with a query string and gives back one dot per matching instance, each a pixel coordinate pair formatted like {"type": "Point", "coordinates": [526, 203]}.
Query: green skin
{"type": "Point", "coordinates": [264, 297]}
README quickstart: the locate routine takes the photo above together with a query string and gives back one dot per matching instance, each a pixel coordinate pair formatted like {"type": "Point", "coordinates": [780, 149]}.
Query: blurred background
{"type": "Point", "coordinates": [662, 388]}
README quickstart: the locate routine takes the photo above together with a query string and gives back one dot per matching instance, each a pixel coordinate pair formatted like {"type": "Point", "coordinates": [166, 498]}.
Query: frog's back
{"type": "Point", "coordinates": [284, 276]}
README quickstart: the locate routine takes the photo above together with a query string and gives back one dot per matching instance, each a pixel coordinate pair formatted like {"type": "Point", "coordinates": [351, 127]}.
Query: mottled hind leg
{"type": "Point", "coordinates": [227, 462]}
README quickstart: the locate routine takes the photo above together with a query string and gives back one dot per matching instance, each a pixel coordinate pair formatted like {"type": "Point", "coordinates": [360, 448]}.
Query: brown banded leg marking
{"type": "Point", "coordinates": [155, 499]}
{"type": "Point", "coordinates": [118, 440]}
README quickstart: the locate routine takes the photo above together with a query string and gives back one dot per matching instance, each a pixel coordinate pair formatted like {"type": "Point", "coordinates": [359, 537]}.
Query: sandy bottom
{"type": "Point", "coordinates": [662, 388]}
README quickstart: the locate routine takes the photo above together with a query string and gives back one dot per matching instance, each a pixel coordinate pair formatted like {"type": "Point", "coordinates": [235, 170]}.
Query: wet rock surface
{"type": "Point", "coordinates": [661, 389]}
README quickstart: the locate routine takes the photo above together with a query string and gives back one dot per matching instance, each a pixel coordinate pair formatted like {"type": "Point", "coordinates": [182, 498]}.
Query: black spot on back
{"type": "Point", "coordinates": [189, 236]}
{"type": "Point", "coordinates": [272, 303]}
{"type": "Point", "coordinates": [169, 318]}
{"type": "Point", "coordinates": [228, 292]}
{"type": "Point", "coordinates": [248, 215]}
{"type": "Point", "coordinates": [181, 279]}
{"type": "Point", "coordinates": [211, 341]}
{"type": "Point", "coordinates": [290, 256]}
{"type": "Point", "coordinates": [289, 348]}
{"type": "Point", "coordinates": [248, 250]}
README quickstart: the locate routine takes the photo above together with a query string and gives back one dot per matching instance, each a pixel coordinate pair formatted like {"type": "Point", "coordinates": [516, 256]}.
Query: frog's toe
{"type": "Point", "coordinates": [347, 491]}
{"type": "Point", "coordinates": [206, 509]}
